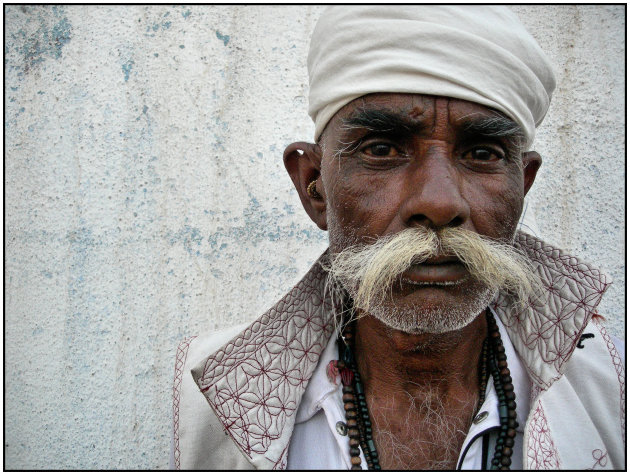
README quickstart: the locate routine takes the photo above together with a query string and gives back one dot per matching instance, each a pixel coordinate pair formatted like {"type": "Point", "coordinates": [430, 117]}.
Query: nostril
{"type": "Point", "coordinates": [419, 220]}
{"type": "Point", "coordinates": [422, 220]}
{"type": "Point", "coordinates": [455, 222]}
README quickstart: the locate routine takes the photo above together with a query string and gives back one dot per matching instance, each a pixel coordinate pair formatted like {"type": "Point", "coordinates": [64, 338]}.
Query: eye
{"type": "Point", "coordinates": [380, 150]}
{"type": "Point", "coordinates": [484, 154]}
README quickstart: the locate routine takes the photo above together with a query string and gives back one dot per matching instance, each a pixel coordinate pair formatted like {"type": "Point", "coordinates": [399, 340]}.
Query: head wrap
{"type": "Point", "coordinates": [481, 54]}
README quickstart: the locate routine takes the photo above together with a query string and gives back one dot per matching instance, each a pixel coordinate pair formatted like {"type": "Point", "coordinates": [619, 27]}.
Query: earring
{"type": "Point", "coordinates": [312, 190]}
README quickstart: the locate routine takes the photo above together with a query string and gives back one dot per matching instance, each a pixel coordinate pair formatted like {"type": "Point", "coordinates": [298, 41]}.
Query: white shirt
{"type": "Point", "coordinates": [316, 444]}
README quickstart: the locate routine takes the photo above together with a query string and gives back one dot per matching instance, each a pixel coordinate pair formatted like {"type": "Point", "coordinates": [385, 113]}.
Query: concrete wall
{"type": "Point", "coordinates": [146, 199]}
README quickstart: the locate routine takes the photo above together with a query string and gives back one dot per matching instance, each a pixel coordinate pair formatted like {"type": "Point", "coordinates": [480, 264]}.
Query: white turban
{"type": "Point", "coordinates": [481, 54]}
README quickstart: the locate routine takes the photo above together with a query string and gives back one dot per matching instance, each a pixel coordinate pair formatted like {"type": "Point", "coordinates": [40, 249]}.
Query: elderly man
{"type": "Point", "coordinates": [431, 334]}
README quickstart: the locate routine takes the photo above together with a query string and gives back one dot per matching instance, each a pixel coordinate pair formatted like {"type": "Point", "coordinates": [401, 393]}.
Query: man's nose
{"type": "Point", "coordinates": [433, 195]}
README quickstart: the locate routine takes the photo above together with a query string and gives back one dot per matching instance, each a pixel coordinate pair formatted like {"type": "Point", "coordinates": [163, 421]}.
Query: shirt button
{"type": "Point", "coordinates": [480, 417]}
{"type": "Point", "coordinates": [342, 428]}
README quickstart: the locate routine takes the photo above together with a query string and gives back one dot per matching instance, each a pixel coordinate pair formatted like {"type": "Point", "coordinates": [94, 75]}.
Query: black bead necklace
{"type": "Point", "coordinates": [493, 360]}
{"type": "Point", "coordinates": [355, 405]}
{"type": "Point", "coordinates": [507, 399]}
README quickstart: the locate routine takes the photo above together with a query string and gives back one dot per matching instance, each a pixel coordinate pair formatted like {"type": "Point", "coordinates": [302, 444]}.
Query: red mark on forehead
{"type": "Point", "coordinates": [429, 108]}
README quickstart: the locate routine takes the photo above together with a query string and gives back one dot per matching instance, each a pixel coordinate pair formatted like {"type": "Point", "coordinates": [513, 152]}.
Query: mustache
{"type": "Point", "coordinates": [369, 271]}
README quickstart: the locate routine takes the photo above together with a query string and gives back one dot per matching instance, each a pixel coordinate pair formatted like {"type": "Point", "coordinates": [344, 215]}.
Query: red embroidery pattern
{"type": "Point", "coordinates": [541, 451]}
{"type": "Point", "coordinates": [601, 458]}
{"type": "Point", "coordinates": [281, 463]}
{"type": "Point", "coordinates": [534, 391]}
{"type": "Point", "coordinates": [616, 359]}
{"type": "Point", "coordinates": [256, 381]}
{"type": "Point", "coordinates": [180, 360]}
{"type": "Point", "coordinates": [551, 327]}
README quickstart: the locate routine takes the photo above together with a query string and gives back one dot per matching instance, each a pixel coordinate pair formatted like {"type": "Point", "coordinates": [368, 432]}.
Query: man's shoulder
{"type": "Point", "coordinates": [596, 349]}
{"type": "Point", "coordinates": [583, 412]}
{"type": "Point", "coordinates": [199, 440]}
{"type": "Point", "coordinates": [216, 416]}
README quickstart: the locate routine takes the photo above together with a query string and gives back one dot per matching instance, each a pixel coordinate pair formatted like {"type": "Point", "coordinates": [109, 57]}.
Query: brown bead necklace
{"type": "Point", "coordinates": [355, 405]}
{"type": "Point", "coordinates": [493, 360]}
{"type": "Point", "coordinates": [507, 398]}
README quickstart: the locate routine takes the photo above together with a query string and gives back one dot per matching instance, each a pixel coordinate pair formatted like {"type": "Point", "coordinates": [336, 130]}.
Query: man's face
{"type": "Point", "coordinates": [395, 161]}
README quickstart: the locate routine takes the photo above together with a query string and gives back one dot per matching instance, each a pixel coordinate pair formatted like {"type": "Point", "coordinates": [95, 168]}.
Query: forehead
{"type": "Point", "coordinates": [420, 108]}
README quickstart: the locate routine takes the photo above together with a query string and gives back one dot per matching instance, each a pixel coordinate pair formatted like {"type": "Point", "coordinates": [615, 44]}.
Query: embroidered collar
{"type": "Point", "coordinates": [255, 382]}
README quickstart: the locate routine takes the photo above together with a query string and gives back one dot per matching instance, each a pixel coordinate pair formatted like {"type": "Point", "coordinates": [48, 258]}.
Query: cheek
{"type": "Point", "coordinates": [496, 205]}
{"type": "Point", "coordinates": [359, 204]}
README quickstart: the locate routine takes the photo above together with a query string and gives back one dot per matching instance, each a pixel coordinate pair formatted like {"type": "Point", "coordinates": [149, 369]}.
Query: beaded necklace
{"type": "Point", "coordinates": [493, 360]}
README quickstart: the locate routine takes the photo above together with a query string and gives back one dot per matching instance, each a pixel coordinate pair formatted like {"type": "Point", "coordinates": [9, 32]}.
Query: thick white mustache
{"type": "Point", "coordinates": [368, 271]}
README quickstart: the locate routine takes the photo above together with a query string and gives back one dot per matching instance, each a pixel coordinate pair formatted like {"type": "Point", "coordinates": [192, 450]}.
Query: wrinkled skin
{"type": "Point", "coordinates": [427, 169]}
{"type": "Point", "coordinates": [435, 174]}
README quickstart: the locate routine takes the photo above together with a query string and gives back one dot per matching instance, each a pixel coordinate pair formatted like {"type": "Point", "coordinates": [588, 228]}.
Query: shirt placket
{"type": "Point", "coordinates": [485, 421]}
{"type": "Point", "coordinates": [336, 417]}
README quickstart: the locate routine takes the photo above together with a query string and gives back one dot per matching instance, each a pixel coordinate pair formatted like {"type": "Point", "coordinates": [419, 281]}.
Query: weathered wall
{"type": "Point", "coordinates": [146, 199]}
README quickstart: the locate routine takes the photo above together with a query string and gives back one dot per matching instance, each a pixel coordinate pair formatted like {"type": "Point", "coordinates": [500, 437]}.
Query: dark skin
{"type": "Point", "coordinates": [386, 162]}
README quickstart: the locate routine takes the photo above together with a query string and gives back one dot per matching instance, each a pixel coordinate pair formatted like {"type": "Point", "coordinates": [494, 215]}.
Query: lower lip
{"type": "Point", "coordinates": [448, 273]}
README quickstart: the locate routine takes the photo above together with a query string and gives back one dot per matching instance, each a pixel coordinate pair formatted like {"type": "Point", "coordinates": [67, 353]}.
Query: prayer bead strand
{"type": "Point", "coordinates": [493, 360]}
{"type": "Point", "coordinates": [507, 399]}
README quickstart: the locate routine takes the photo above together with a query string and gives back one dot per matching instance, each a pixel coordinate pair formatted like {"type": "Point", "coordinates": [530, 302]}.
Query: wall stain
{"type": "Point", "coordinates": [158, 25]}
{"type": "Point", "coordinates": [224, 38]}
{"type": "Point", "coordinates": [126, 68]}
{"type": "Point", "coordinates": [48, 30]}
{"type": "Point", "coordinates": [257, 226]}
{"type": "Point", "coordinates": [188, 236]}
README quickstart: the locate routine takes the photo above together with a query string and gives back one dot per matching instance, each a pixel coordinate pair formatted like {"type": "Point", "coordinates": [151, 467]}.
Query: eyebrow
{"type": "Point", "coordinates": [382, 120]}
{"type": "Point", "coordinates": [496, 126]}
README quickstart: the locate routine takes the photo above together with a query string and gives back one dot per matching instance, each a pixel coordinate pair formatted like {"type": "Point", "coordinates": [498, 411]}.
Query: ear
{"type": "Point", "coordinates": [303, 162]}
{"type": "Point", "coordinates": [531, 164]}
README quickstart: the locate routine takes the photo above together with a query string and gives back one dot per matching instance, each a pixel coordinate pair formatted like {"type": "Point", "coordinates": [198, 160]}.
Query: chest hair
{"type": "Point", "coordinates": [420, 432]}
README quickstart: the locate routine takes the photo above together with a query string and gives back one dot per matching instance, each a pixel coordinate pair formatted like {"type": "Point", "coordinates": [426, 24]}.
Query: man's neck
{"type": "Point", "coordinates": [418, 386]}
{"type": "Point", "coordinates": [396, 358]}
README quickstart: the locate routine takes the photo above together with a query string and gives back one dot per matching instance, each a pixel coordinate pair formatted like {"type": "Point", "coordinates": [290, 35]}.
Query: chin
{"type": "Point", "coordinates": [432, 315]}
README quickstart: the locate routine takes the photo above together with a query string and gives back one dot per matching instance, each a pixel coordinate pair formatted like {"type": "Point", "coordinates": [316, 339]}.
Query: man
{"type": "Point", "coordinates": [432, 334]}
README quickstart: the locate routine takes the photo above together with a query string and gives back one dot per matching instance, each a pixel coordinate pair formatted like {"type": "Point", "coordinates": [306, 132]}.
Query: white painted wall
{"type": "Point", "coordinates": [146, 199]}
